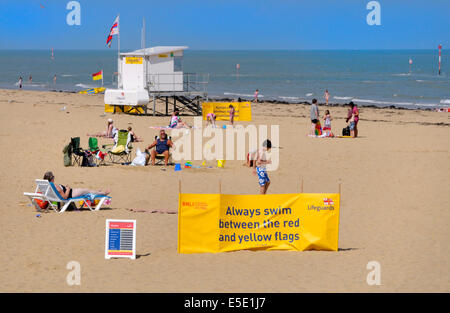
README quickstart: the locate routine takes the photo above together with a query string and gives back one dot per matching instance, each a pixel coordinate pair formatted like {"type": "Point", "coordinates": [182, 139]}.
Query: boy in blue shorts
{"type": "Point", "coordinates": [259, 166]}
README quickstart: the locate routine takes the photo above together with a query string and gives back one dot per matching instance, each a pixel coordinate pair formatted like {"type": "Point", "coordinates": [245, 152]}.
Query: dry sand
{"type": "Point", "coordinates": [394, 210]}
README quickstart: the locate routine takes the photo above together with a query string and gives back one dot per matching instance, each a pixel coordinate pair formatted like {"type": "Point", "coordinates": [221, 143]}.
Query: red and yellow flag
{"type": "Point", "coordinates": [98, 75]}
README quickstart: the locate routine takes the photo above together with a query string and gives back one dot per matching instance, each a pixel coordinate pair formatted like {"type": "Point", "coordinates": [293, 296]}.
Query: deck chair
{"type": "Point", "coordinates": [121, 138]}
{"type": "Point", "coordinates": [77, 151]}
{"type": "Point", "coordinates": [47, 191]}
{"type": "Point", "coordinates": [159, 158]}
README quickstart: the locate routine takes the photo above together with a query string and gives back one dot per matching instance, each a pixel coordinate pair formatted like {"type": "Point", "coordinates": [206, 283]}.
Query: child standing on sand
{"type": "Point", "coordinates": [255, 98]}
{"type": "Point", "coordinates": [231, 114]}
{"type": "Point", "coordinates": [327, 124]}
{"type": "Point", "coordinates": [259, 166]}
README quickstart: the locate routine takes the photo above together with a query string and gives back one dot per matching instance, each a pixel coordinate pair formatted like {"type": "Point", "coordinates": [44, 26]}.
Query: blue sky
{"type": "Point", "coordinates": [230, 24]}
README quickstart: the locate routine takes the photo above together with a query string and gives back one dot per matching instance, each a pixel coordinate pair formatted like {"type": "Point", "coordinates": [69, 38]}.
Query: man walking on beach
{"type": "Point", "coordinates": [314, 112]}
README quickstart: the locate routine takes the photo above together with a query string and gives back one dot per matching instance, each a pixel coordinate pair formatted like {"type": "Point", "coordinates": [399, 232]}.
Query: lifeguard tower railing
{"type": "Point", "coordinates": [186, 82]}
{"type": "Point", "coordinates": [188, 89]}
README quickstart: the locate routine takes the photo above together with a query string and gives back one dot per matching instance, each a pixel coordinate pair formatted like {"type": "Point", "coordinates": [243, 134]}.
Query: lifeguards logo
{"type": "Point", "coordinates": [195, 205]}
{"type": "Point", "coordinates": [328, 201]}
{"type": "Point", "coordinates": [328, 204]}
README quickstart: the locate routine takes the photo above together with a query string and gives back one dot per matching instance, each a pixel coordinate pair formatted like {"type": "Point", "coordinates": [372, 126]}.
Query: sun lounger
{"type": "Point", "coordinates": [47, 191]}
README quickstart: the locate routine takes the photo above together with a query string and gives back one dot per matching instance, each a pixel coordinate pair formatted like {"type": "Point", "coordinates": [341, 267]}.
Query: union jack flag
{"type": "Point", "coordinates": [114, 31]}
{"type": "Point", "coordinates": [328, 201]}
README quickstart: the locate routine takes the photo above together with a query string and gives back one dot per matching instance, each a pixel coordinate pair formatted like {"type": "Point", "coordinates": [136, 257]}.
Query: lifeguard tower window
{"type": "Point", "coordinates": [178, 64]}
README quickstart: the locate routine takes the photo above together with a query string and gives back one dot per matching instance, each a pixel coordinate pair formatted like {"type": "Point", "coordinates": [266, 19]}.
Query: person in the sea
{"type": "Point", "coordinates": [353, 118]}
{"type": "Point", "coordinates": [20, 82]}
{"type": "Point", "coordinates": [259, 166]}
{"type": "Point", "coordinates": [326, 96]}
{"type": "Point", "coordinates": [314, 114]}
{"type": "Point", "coordinates": [110, 131]}
{"type": "Point", "coordinates": [66, 192]}
{"type": "Point", "coordinates": [176, 122]}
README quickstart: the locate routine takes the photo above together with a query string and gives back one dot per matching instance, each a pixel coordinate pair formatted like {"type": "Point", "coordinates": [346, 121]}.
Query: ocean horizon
{"type": "Point", "coordinates": [379, 78]}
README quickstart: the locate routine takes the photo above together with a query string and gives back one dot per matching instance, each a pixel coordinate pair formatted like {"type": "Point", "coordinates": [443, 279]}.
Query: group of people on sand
{"type": "Point", "coordinates": [352, 119]}
{"type": "Point", "coordinates": [257, 160]}
{"type": "Point", "coordinates": [111, 131]}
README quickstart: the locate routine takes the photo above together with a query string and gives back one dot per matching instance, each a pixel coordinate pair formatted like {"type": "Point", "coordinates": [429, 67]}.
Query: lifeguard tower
{"type": "Point", "coordinates": [153, 74]}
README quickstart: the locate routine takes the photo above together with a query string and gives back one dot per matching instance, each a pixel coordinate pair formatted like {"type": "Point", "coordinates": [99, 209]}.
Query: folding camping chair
{"type": "Point", "coordinates": [159, 158]}
{"type": "Point", "coordinates": [77, 151]}
{"type": "Point", "coordinates": [47, 191]}
{"type": "Point", "coordinates": [96, 152]}
{"type": "Point", "coordinates": [121, 154]}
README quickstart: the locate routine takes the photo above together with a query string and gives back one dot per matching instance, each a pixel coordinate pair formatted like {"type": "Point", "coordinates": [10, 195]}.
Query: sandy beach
{"type": "Point", "coordinates": [394, 209]}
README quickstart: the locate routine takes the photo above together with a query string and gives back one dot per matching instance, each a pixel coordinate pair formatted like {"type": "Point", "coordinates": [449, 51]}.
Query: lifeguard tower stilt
{"type": "Point", "coordinates": [155, 75]}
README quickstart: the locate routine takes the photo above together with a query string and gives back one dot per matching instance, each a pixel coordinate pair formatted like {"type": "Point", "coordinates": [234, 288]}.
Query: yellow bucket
{"type": "Point", "coordinates": [220, 163]}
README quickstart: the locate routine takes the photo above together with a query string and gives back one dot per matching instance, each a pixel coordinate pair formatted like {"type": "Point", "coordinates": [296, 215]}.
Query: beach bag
{"type": "Point", "coordinates": [318, 130]}
{"type": "Point", "coordinates": [88, 160]}
{"type": "Point", "coordinates": [139, 160]}
{"type": "Point", "coordinates": [346, 131]}
{"type": "Point", "coordinates": [67, 155]}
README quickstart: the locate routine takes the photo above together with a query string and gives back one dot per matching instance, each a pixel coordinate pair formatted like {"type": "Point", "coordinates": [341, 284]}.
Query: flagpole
{"type": "Point", "coordinates": [118, 50]}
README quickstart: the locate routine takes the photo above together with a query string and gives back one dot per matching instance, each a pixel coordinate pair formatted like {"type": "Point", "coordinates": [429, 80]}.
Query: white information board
{"type": "Point", "coordinates": [120, 240]}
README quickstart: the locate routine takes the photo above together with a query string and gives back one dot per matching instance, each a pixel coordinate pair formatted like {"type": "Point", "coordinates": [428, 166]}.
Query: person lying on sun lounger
{"type": "Point", "coordinates": [66, 192]}
{"type": "Point", "coordinates": [109, 133]}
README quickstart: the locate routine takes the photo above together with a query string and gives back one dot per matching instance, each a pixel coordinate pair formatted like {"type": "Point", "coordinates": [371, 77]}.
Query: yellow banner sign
{"type": "Point", "coordinates": [242, 110]}
{"type": "Point", "coordinates": [133, 60]}
{"type": "Point", "coordinates": [219, 223]}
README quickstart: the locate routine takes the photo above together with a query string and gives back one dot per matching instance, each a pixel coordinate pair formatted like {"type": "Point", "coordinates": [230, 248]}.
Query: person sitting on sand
{"type": "Point", "coordinates": [109, 133]}
{"type": "Point", "coordinates": [327, 124]}
{"type": "Point", "coordinates": [66, 192]}
{"type": "Point", "coordinates": [176, 122]}
{"type": "Point", "coordinates": [133, 136]}
{"type": "Point", "coordinates": [314, 113]}
{"type": "Point", "coordinates": [211, 119]}
{"type": "Point", "coordinates": [162, 144]}
{"type": "Point", "coordinates": [353, 117]}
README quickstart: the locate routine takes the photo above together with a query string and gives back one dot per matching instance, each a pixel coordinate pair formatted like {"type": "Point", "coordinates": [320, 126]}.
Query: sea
{"type": "Point", "coordinates": [382, 78]}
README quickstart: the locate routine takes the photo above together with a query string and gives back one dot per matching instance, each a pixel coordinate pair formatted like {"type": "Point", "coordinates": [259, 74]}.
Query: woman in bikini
{"type": "Point", "coordinates": [66, 192]}
{"type": "Point", "coordinates": [134, 138]}
{"type": "Point", "coordinates": [109, 133]}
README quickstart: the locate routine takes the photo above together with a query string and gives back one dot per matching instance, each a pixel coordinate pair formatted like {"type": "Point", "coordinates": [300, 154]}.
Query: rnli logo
{"type": "Point", "coordinates": [328, 202]}
{"type": "Point", "coordinates": [195, 205]}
